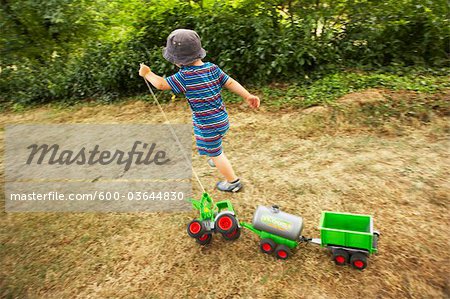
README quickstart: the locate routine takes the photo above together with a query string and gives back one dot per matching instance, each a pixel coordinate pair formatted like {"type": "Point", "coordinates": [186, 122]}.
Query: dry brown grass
{"type": "Point", "coordinates": [305, 162]}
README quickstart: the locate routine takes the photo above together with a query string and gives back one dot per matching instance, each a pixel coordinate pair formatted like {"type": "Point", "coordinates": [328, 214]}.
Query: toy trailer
{"type": "Point", "coordinates": [350, 237]}
{"type": "Point", "coordinates": [279, 231]}
{"type": "Point", "coordinates": [271, 243]}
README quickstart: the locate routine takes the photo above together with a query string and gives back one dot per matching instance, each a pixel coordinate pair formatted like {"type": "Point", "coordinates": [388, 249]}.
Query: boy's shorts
{"type": "Point", "coordinates": [209, 142]}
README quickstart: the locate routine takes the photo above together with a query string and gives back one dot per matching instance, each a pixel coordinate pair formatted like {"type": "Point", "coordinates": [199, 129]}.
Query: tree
{"type": "Point", "coordinates": [40, 29]}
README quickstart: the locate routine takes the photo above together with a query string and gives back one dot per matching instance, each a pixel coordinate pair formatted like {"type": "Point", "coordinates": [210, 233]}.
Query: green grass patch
{"type": "Point", "coordinates": [327, 89]}
{"type": "Point", "coordinates": [299, 93]}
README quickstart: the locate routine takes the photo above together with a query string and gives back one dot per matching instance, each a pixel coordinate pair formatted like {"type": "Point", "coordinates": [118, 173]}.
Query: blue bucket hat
{"type": "Point", "coordinates": [183, 47]}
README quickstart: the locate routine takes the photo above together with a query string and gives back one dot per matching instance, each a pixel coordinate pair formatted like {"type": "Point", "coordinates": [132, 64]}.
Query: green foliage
{"type": "Point", "coordinates": [39, 29]}
{"type": "Point", "coordinates": [103, 72]}
{"type": "Point", "coordinates": [404, 32]}
{"type": "Point", "coordinates": [91, 49]}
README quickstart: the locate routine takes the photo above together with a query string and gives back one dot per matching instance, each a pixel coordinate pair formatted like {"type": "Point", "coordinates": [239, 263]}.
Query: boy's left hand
{"type": "Point", "coordinates": [143, 70]}
{"type": "Point", "coordinates": [253, 101]}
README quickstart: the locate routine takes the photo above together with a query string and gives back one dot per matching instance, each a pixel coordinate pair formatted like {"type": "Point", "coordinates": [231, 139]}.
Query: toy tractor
{"type": "Point", "coordinates": [214, 218]}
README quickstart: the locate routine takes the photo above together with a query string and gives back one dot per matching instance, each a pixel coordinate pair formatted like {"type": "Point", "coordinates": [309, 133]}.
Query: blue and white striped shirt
{"type": "Point", "coordinates": [202, 86]}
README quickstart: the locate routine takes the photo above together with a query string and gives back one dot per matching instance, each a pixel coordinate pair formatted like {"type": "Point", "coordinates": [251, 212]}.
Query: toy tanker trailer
{"type": "Point", "coordinates": [279, 231]}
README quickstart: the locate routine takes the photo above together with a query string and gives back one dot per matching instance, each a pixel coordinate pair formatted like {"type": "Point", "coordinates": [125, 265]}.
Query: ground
{"type": "Point", "coordinates": [346, 157]}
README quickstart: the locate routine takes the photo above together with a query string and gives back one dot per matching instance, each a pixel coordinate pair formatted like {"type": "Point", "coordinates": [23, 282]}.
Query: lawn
{"type": "Point", "coordinates": [375, 152]}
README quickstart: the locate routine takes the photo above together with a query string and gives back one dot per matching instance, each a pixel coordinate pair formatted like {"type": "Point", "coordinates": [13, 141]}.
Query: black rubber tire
{"type": "Point", "coordinates": [338, 254]}
{"type": "Point", "coordinates": [232, 236]}
{"type": "Point", "coordinates": [264, 242]}
{"type": "Point", "coordinates": [207, 239]}
{"type": "Point", "coordinates": [229, 220]}
{"type": "Point", "coordinates": [358, 261]}
{"type": "Point", "coordinates": [282, 252]}
{"type": "Point", "coordinates": [194, 233]}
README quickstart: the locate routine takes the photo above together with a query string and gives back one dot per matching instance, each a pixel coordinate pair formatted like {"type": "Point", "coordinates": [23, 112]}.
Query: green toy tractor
{"type": "Point", "coordinates": [214, 218]}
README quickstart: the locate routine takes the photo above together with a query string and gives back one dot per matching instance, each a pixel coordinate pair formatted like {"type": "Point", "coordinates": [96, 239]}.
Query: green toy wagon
{"type": "Point", "coordinates": [350, 237]}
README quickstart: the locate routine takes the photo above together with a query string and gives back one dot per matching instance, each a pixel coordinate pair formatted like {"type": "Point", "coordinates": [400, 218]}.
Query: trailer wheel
{"type": "Point", "coordinates": [204, 240]}
{"type": "Point", "coordinates": [282, 252]}
{"type": "Point", "coordinates": [340, 257]}
{"type": "Point", "coordinates": [232, 236]}
{"type": "Point", "coordinates": [226, 224]}
{"type": "Point", "coordinates": [195, 229]}
{"type": "Point", "coordinates": [267, 246]}
{"type": "Point", "coordinates": [358, 261]}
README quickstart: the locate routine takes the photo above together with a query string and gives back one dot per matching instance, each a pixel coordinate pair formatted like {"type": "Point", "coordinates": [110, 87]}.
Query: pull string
{"type": "Point", "coordinates": [174, 135]}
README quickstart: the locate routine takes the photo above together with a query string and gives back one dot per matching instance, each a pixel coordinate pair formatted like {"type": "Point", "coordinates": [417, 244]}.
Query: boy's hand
{"type": "Point", "coordinates": [253, 101]}
{"type": "Point", "coordinates": [143, 70]}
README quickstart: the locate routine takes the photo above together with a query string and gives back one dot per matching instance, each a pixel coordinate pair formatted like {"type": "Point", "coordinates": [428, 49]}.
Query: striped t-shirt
{"type": "Point", "coordinates": [202, 86]}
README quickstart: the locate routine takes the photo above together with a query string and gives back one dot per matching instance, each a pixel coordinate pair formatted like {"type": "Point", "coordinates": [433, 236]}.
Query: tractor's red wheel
{"type": "Point", "coordinates": [340, 257]}
{"type": "Point", "coordinates": [195, 229]}
{"type": "Point", "coordinates": [282, 252]}
{"type": "Point", "coordinates": [358, 261]}
{"type": "Point", "coordinates": [226, 224]}
{"type": "Point", "coordinates": [267, 246]}
{"type": "Point", "coordinates": [204, 240]}
{"type": "Point", "coordinates": [233, 236]}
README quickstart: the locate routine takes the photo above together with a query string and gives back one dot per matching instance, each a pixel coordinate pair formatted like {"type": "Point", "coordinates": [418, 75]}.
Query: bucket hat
{"type": "Point", "coordinates": [183, 47]}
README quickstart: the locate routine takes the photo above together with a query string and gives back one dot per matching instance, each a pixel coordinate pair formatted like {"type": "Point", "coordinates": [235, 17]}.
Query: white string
{"type": "Point", "coordinates": [174, 135]}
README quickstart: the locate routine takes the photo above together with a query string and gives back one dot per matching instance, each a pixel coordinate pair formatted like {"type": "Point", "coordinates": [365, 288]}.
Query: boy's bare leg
{"type": "Point", "coordinates": [223, 164]}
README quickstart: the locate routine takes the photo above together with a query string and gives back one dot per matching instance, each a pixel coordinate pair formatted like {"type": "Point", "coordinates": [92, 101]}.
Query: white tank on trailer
{"type": "Point", "coordinates": [274, 221]}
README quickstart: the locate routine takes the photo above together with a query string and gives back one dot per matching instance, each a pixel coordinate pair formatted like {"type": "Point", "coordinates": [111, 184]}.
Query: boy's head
{"type": "Point", "coordinates": [183, 47]}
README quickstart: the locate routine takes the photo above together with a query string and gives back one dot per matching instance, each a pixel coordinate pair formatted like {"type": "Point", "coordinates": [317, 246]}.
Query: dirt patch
{"type": "Point", "coordinates": [317, 110]}
{"type": "Point", "coordinates": [367, 96]}
{"type": "Point", "coordinates": [401, 179]}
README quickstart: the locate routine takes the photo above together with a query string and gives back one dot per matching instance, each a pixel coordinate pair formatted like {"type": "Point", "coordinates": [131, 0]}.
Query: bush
{"type": "Point", "coordinates": [106, 71]}
{"type": "Point", "coordinates": [257, 42]}
{"type": "Point", "coordinates": [389, 33]}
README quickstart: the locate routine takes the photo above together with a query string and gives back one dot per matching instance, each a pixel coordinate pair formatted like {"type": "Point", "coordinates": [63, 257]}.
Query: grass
{"type": "Point", "coordinates": [299, 93]}
{"type": "Point", "coordinates": [331, 87]}
{"type": "Point", "coordinates": [372, 152]}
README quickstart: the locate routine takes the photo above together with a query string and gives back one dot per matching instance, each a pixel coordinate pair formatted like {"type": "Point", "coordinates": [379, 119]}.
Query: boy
{"type": "Point", "coordinates": [202, 82]}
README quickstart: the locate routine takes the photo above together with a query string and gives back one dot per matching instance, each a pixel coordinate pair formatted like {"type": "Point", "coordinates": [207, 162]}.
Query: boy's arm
{"type": "Point", "coordinates": [157, 81]}
{"type": "Point", "coordinates": [234, 86]}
